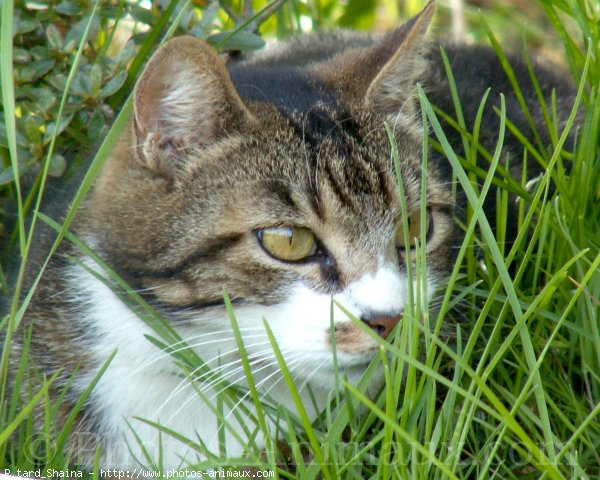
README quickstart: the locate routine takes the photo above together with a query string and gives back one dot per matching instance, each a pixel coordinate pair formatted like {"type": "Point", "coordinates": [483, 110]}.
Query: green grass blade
{"type": "Point", "coordinates": [26, 410]}
{"type": "Point", "coordinates": [256, 400]}
{"type": "Point", "coordinates": [327, 469]}
{"type": "Point", "coordinates": [407, 437]}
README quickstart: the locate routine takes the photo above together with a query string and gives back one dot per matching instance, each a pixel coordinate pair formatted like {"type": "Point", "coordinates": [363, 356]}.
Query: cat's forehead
{"type": "Point", "coordinates": [303, 102]}
{"type": "Point", "coordinates": [286, 174]}
{"type": "Point", "coordinates": [310, 151]}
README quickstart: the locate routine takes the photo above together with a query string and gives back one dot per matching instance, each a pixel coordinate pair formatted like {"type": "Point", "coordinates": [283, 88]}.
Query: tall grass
{"type": "Point", "coordinates": [516, 394]}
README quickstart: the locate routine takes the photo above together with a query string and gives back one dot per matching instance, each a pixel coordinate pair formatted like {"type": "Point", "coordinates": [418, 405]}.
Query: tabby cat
{"type": "Point", "coordinates": [269, 177]}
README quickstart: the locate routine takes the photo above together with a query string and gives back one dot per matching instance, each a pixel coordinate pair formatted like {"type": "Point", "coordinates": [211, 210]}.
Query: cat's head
{"type": "Point", "coordinates": [278, 186]}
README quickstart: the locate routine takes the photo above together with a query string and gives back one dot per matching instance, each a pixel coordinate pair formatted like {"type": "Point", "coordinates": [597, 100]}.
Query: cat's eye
{"type": "Point", "coordinates": [290, 244]}
{"type": "Point", "coordinates": [414, 230]}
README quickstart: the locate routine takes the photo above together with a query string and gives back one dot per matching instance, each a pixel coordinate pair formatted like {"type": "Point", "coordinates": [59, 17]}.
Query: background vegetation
{"type": "Point", "coordinates": [524, 400]}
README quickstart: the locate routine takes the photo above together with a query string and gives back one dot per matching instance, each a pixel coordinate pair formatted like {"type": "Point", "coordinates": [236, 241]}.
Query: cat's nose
{"type": "Point", "coordinates": [382, 324]}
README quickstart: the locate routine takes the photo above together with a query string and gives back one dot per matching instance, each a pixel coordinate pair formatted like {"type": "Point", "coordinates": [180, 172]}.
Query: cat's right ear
{"type": "Point", "coordinates": [184, 100]}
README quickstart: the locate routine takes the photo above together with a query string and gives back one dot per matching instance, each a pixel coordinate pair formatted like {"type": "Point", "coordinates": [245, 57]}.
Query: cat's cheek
{"type": "Point", "coordinates": [373, 295]}
{"type": "Point", "coordinates": [300, 322]}
{"type": "Point", "coordinates": [301, 326]}
{"type": "Point", "coordinates": [309, 323]}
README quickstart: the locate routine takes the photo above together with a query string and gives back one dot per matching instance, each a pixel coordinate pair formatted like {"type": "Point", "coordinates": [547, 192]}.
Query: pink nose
{"type": "Point", "coordinates": [382, 324]}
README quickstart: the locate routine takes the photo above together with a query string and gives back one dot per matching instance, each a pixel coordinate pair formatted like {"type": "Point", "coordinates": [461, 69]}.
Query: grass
{"type": "Point", "coordinates": [517, 394]}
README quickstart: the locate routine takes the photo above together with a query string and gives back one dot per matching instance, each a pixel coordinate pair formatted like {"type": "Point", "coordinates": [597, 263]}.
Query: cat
{"type": "Point", "coordinates": [269, 177]}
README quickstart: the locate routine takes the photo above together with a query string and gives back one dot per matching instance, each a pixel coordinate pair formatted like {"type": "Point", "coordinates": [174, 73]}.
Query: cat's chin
{"type": "Point", "coordinates": [326, 374]}
{"type": "Point", "coordinates": [328, 377]}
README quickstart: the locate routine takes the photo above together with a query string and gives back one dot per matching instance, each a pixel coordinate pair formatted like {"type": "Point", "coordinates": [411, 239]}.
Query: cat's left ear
{"type": "Point", "coordinates": [393, 89]}
{"type": "Point", "coordinates": [385, 75]}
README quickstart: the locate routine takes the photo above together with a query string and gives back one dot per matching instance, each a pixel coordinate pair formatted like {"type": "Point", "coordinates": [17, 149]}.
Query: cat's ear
{"type": "Point", "coordinates": [393, 89]}
{"type": "Point", "coordinates": [385, 75]}
{"type": "Point", "coordinates": [184, 98]}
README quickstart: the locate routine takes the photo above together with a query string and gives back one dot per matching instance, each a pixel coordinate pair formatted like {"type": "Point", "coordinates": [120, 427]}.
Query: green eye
{"type": "Point", "coordinates": [414, 230]}
{"type": "Point", "coordinates": [290, 244]}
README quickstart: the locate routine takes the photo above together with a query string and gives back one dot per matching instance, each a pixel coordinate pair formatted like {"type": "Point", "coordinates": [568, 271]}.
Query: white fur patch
{"type": "Point", "coordinates": [142, 381]}
{"type": "Point", "coordinates": [383, 292]}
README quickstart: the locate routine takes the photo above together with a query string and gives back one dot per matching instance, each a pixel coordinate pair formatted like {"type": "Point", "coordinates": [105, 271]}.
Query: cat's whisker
{"type": "Point", "coordinates": [307, 378]}
{"type": "Point", "coordinates": [258, 385]}
{"type": "Point", "coordinates": [258, 359]}
{"type": "Point", "coordinates": [274, 373]}
{"type": "Point", "coordinates": [290, 364]}
{"type": "Point", "coordinates": [164, 355]}
{"type": "Point", "coordinates": [267, 360]}
{"type": "Point", "coordinates": [168, 355]}
{"type": "Point", "coordinates": [216, 371]}
{"type": "Point", "coordinates": [253, 357]}
{"type": "Point", "coordinates": [185, 344]}
{"type": "Point", "coordinates": [228, 378]}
